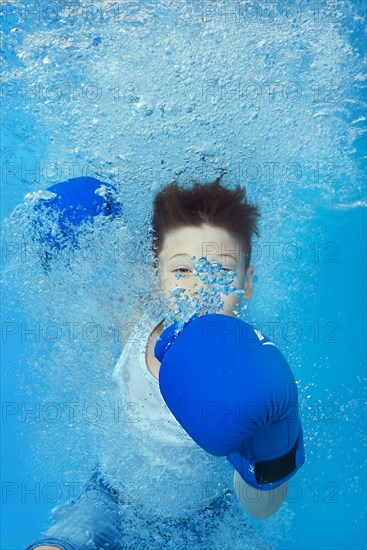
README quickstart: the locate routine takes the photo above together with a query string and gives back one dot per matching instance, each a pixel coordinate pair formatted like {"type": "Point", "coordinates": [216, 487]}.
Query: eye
{"type": "Point", "coordinates": [180, 269]}
{"type": "Point", "coordinates": [222, 268]}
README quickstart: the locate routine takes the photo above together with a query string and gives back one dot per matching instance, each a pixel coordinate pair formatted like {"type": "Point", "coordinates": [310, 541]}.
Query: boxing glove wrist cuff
{"type": "Point", "coordinates": [269, 474]}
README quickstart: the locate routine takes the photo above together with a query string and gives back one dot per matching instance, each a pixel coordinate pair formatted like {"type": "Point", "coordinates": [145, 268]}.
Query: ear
{"type": "Point", "coordinates": [158, 284]}
{"type": "Point", "coordinates": [248, 281]}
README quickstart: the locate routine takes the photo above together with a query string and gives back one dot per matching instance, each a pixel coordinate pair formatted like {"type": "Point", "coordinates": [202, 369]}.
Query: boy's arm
{"type": "Point", "coordinates": [260, 504]}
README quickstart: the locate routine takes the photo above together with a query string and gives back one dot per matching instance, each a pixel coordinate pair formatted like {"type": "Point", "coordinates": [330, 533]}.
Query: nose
{"type": "Point", "coordinates": [198, 286]}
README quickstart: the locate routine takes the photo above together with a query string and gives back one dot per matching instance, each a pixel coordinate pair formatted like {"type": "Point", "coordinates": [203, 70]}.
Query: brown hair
{"type": "Point", "coordinates": [210, 203]}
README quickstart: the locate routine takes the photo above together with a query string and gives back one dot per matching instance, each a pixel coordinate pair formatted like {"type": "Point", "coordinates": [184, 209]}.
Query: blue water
{"type": "Point", "coordinates": [155, 91]}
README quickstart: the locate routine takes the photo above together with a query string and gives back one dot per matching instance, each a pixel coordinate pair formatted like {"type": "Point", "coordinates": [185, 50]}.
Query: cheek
{"type": "Point", "coordinates": [169, 282]}
{"type": "Point", "coordinates": [229, 299]}
{"type": "Point", "coordinates": [240, 282]}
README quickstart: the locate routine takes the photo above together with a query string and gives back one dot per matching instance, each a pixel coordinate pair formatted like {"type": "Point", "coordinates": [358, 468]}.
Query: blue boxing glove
{"type": "Point", "coordinates": [64, 208]}
{"type": "Point", "coordinates": [235, 395]}
{"type": "Point", "coordinates": [77, 200]}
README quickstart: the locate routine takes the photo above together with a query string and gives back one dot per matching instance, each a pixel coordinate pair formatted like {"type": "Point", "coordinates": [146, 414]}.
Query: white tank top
{"type": "Point", "coordinates": [161, 468]}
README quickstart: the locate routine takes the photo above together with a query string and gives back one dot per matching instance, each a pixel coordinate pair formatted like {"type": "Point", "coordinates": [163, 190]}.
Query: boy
{"type": "Point", "coordinates": [206, 221]}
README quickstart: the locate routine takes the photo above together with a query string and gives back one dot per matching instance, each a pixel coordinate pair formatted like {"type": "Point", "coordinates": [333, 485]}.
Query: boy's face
{"type": "Point", "coordinates": [210, 242]}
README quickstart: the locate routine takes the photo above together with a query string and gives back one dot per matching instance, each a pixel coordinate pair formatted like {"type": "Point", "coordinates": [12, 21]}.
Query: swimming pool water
{"type": "Point", "coordinates": [149, 91]}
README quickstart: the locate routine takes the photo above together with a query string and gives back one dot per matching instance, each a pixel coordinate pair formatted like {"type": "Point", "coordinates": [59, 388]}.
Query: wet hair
{"type": "Point", "coordinates": [211, 203]}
